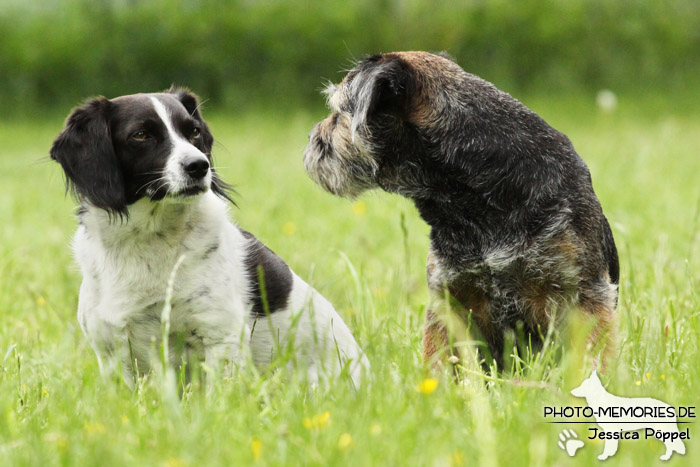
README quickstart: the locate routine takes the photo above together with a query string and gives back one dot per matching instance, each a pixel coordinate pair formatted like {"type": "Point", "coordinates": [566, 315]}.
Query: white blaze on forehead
{"type": "Point", "coordinates": [165, 116]}
{"type": "Point", "coordinates": [174, 173]}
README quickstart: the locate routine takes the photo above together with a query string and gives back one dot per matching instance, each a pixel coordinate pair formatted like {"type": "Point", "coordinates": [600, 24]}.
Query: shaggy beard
{"type": "Point", "coordinates": [337, 174]}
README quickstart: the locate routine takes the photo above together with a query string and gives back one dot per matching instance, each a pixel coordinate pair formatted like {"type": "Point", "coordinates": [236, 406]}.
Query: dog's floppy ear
{"type": "Point", "coordinates": [191, 103]}
{"type": "Point", "coordinates": [85, 151]}
{"type": "Point", "coordinates": [383, 85]}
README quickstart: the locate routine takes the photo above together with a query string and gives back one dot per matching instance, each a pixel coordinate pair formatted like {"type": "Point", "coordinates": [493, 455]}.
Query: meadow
{"type": "Point", "coordinates": [368, 258]}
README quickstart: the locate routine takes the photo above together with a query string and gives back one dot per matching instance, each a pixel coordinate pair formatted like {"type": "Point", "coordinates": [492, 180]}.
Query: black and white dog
{"type": "Point", "coordinates": [152, 210]}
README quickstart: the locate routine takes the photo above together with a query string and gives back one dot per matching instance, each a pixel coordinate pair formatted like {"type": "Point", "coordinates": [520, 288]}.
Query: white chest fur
{"type": "Point", "coordinates": [126, 267]}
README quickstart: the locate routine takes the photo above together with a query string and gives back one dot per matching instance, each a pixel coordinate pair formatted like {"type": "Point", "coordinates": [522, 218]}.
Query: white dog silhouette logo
{"type": "Point", "coordinates": [617, 415]}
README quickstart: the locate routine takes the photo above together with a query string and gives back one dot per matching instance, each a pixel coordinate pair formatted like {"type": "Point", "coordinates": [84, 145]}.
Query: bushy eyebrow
{"type": "Point", "coordinates": [329, 91]}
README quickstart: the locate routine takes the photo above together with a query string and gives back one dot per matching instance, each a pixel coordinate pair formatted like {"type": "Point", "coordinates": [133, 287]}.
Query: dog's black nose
{"type": "Point", "coordinates": [196, 167]}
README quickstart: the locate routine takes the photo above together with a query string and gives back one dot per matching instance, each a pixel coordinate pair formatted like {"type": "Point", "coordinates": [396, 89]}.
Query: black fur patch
{"type": "Point", "coordinates": [276, 277]}
{"type": "Point", "coordinates": [84, 150]}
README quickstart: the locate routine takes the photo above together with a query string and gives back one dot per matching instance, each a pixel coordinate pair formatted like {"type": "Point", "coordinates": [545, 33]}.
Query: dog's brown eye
{"type": "Point", "coordinates": [195, 134]}
{"type": "Point", "coordinates": [141, 135]}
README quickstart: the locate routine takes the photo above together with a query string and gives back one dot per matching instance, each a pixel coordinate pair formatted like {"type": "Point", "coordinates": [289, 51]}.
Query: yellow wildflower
{"type": "Point", "coordinates": [256, 446]}
{"type": "Point", "coordinates": [95, 428]}
{"type": "Point", "coordinates": [59, 439]}
{"type": "Point", "coordinates": [317, 421]}
{"type": "Point", "coordinates": [427, 386]}
{"type": "Point", "coordinates": [289, 228]}
{"type": "Point", "coordinates": [345, 441]}
{"type": "Point", "coordinates": [359, 208]}
{"type": "Point", "coordinates": [174, 462]}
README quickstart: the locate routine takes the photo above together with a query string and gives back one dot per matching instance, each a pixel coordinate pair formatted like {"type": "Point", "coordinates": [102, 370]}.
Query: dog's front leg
{"type": "Point", "coordinates": [436, 343]}
{"type": "Point", "coordinates": [225, 355]}
{"type": "Point", "coordinates": [443, 326]}
{"type": "Point", "coordinates": [106, 334]}
{"type": "Point", "coordinates": [447, 334]}
{"type": "Point", "coordinates": [111, 345]}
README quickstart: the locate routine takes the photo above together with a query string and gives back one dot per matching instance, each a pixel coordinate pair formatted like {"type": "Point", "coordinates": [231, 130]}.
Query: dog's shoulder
{"type": "Point", "coordinates": [271, 280]}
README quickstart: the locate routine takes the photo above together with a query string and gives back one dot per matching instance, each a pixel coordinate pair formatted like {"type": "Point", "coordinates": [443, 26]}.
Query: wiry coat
{"type": "Point", "coordinates": [517, 236]}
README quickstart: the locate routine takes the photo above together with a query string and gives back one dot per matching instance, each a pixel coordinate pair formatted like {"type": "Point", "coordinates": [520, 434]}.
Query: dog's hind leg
{"type": "Point", "coordinates": [603, 339]}
{"type": "Point", "coordinates": [599, 302]}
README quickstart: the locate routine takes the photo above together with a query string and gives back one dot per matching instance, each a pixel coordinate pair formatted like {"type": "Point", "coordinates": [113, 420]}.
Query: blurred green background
{"type": "Point", "coordinates": [243, 53]}
{"type": "Point", "coordinates": [260, 64]}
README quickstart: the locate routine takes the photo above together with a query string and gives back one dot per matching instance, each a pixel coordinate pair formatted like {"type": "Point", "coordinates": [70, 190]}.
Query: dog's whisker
{"type": "Point", "coordinates": [146, 185]}
{"type": "Point", "coordinates": [198, 106]}
{"type": "Point", "coordinates": [221, 145]}
{"type": "Point", "coordinates": [153, 172]}
{"type": "Point", "coordinates": [154, 180]}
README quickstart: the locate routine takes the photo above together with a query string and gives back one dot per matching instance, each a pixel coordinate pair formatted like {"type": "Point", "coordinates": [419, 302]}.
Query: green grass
{"type": "Point", "coordinates": [55, 409]}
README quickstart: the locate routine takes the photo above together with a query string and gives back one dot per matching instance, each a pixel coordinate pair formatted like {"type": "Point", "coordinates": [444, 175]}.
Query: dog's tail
{"type": "Point", "coordinates": [610, 252]}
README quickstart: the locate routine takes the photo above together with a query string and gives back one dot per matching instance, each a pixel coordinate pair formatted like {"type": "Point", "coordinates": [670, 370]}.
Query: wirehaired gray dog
{"type": "Point", "coordinates": [518, 237]}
